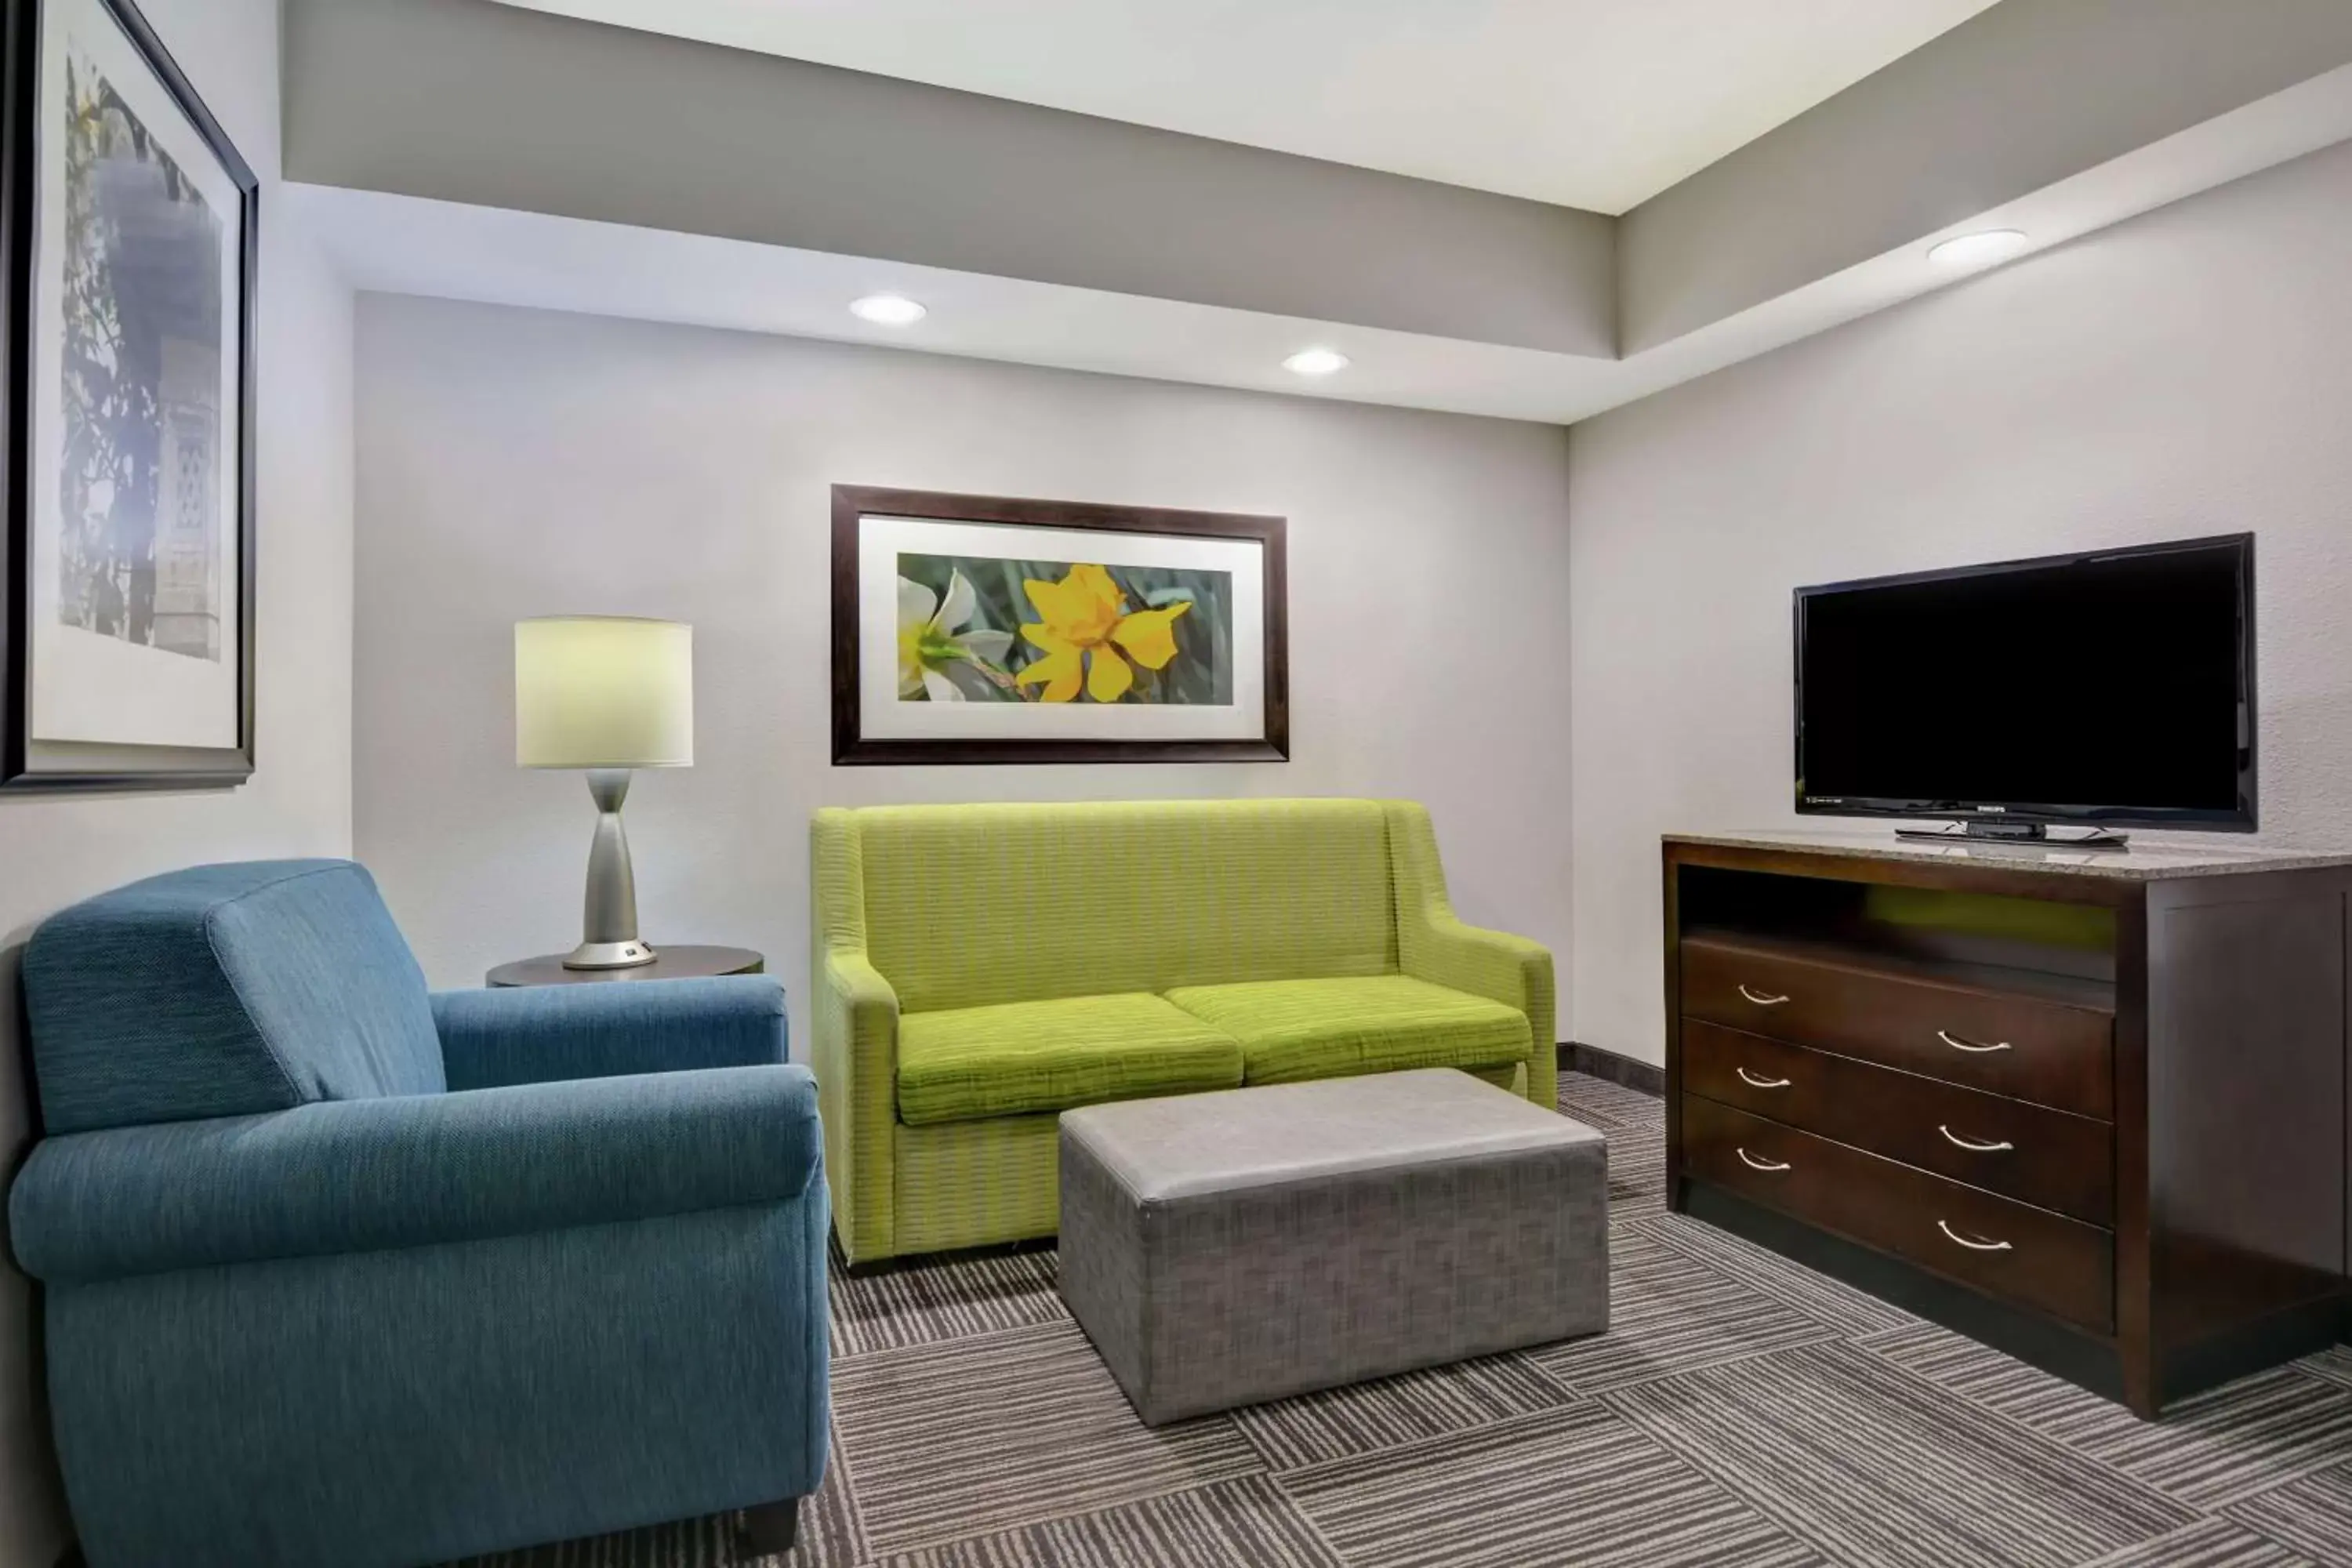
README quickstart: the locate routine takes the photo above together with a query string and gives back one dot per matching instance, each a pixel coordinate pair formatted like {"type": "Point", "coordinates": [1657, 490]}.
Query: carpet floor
{"type": "Point", "coordinates": [1740, 1412]}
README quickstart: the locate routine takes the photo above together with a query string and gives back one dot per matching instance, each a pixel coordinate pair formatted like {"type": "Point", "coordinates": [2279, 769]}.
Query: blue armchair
{"type": "Point", "coordinates": [342, 1273]}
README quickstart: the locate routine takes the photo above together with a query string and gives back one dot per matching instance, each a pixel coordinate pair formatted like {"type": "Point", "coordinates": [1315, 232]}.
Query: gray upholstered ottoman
{"type": "Point", "coordinates": [1229, 1248]}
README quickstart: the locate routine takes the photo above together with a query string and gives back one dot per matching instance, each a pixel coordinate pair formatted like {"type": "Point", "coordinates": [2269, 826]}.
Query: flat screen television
{"type": "Point", "coordinates": [2114, 689]}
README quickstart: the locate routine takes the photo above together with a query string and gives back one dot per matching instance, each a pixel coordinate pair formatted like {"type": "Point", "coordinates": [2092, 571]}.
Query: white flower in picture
{"type": "Point", "coordinates": [938, 659]}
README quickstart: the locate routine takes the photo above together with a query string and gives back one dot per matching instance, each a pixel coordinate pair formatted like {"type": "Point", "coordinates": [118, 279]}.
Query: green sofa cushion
{"type": "Point", "coordinates": [1295, 1029]}
{"type": "Point", "coordinates": [984, 904]}
{"type": "Point", "coordinates": [968, 1063]}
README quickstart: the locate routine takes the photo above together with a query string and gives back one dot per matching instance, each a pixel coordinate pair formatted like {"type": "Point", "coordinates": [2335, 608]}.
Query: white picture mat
{"type": "Point", "coordinates": [883, 717]}
{"type": "Point", "coordinates": [88, 687]}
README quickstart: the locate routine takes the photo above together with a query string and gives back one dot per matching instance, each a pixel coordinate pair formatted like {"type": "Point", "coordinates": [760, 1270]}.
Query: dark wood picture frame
{"type": "Point", "coordinates": [169, 768]}
{"type": "Point", "coordinates": [850, 749]}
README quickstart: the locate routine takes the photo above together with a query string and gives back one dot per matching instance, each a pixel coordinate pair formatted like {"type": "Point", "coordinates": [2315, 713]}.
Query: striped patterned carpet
{"type": "Point", "coordinates": [1741, 1412]}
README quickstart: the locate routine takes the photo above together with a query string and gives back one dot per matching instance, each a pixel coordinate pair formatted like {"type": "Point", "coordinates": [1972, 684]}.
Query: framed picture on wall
{"type": "Point", "coordinates": [983, 630]}
{"type": "Point", "coordinates": [130, 235]}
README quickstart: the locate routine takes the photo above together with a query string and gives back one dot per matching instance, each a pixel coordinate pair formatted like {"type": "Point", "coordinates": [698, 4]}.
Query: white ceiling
{"type": "Point", "coordinates": [1598, 104]}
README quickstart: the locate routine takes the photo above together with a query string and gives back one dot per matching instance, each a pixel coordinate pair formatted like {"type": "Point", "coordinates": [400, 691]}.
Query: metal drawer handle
{"type": "Point", "coordinates": [1752, 1081]}
{"type": "Point", "coordinates": [1959, 1045]}
{"type": "Point", "coordinates": [1973, 1246]}
{"type": "Point", "coordinates": [1971, 1146]}
{"type": "Point", "coordinates": [1759, 998]}
{"type": "Point", "coordinates": [1756, 1164]}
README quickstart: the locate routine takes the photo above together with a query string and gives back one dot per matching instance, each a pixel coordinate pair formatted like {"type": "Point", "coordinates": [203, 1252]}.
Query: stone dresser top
{"type": "Point", "coordinates": [2148, 859]}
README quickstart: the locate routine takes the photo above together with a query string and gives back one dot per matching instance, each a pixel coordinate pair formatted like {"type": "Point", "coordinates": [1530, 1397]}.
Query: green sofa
{"type": "Point", "coordinates": [979, 969]}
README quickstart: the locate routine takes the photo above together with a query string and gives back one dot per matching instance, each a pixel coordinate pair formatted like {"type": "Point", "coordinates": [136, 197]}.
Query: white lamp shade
{"type": "Point", "coordinates": [603, 691]}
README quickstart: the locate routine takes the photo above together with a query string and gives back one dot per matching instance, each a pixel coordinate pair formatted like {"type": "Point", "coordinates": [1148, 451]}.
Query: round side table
{"type": "Point", "coordinates": [680, 962]}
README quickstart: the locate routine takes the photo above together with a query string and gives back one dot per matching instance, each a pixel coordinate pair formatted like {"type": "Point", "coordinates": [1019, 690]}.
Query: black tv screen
{"type": "Point", "coordinates": [2115, 688]}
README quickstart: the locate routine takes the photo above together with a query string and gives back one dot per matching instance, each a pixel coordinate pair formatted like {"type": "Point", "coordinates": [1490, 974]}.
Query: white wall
{"type": "Point", "coordinates": [2186, 373]}
{"type": "Point", "coordinates": [514, 463]}
{"type": "Point", "coordinates": [55, 851]}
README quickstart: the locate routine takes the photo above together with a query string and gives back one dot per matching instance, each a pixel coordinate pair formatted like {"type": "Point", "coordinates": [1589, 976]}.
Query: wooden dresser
{"type": "Point", "coordinates": [2089, 1107]}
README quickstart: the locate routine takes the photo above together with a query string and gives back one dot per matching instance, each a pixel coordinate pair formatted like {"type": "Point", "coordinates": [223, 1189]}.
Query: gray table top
{"type": "Point", "coordinates": [680, 961]}
{"type": "Point", "coordinates": [1228, 1139]}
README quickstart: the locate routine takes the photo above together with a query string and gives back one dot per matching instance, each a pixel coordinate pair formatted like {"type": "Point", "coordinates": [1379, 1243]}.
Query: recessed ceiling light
{"type": "Point", "coordinates": [1976, 249]}
{"type": "Point", "coordinates": [887, 309]}
{"type": "Point", "coordinates": [1316, 362]}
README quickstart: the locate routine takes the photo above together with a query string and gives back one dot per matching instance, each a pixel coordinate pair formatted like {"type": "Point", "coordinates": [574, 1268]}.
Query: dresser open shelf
{"type": "Point", "coordinates": [2087, 1107]}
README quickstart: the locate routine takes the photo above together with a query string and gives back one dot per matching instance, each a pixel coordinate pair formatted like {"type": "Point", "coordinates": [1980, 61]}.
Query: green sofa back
{"type": "Point", "coordinates": [969, 905]}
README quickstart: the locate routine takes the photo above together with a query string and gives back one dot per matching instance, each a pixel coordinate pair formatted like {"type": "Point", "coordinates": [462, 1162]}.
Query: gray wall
{"type": "Point", "coordinates": [2016, 99]}
{"type": "Point", "coordinates": [53, 851]}
{"type": "Point", "coordinates": [466, 101]}
{"type": "Point", "coordinates": [514, 463]}
{"type": "Point", "coordinates": [2181, 374]}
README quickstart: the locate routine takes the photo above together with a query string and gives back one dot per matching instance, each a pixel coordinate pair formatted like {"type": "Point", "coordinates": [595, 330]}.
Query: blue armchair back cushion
{"type": "Point", "coordinates": [226, 990]}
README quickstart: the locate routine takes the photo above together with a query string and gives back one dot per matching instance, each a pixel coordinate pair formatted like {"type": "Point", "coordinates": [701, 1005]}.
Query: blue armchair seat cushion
{"type": "Point", "coordinates": [365, 1176]}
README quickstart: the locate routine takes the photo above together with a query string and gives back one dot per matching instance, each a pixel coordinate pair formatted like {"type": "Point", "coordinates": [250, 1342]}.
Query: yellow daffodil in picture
{"type": "Point", "coordinates": [1085, 635]}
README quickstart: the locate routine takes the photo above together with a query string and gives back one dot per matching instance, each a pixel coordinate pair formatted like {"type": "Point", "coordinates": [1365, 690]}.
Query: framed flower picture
{"type": "Point", "coordinates": [130, 236]}
{"type": "Point", "coordinates": [983, 630]}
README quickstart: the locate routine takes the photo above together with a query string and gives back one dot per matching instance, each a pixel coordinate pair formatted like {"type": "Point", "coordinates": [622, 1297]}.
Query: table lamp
{"type": "Point", "coordinates": [605, 693]}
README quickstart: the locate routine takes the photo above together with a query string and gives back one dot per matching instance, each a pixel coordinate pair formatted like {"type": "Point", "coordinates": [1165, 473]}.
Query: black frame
{"type": "Point", "coordinates": [850, 749]}
{"type": "Point", "coordinates": [2245, 819]}
{"type": "Point", "coordinates": [179, 768]}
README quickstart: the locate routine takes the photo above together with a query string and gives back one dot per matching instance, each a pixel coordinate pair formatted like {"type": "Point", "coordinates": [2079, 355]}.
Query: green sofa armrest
{"type": "Point", "coordinates": [856, 1061]}
{"type": "Point", "coordinates": [855, 1012]}
{"type": "Point", "coordinates": [1436, 945]}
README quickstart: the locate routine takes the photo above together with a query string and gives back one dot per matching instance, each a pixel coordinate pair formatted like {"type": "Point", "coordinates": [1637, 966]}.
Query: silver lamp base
{"type": "Point", "coordinates": [609, 955]}
{"type": "Point", "coordinates": [609, 915]}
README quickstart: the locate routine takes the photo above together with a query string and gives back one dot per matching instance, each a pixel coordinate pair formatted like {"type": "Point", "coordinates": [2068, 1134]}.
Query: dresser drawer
{"type": "Point", "coordinates": [2020, 1254]}
{"type": "Point", "coordinates": [2021, 1151]}
{"type": "Point", "coordinates": [2003, 1042]}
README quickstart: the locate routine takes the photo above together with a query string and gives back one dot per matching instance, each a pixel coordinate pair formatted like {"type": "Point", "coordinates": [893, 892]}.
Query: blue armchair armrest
{"type": "Point", "coordinates": [361, 1175]}
{"type": "Point", "coordinates": [539, 1034]}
